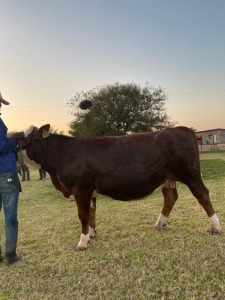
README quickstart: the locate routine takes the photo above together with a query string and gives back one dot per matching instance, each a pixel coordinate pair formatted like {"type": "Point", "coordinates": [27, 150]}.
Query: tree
{"type": "Point", "coordinates": [119, 108]}
{"type": "Point", "coordinates": [193, 129]}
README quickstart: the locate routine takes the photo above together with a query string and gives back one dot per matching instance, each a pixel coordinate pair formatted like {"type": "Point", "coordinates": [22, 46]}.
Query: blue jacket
{"type": "Point", "coordinates": [7, 148]}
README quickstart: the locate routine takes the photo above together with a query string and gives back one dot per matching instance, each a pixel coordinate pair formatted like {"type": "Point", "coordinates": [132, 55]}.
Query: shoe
{"type": "Point", "coordinates": [13, 259]}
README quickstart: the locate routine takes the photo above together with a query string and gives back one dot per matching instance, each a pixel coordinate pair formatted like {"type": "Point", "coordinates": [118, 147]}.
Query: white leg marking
{"type": "Point", "coordinates": [83, 243]}
{"type": "Point", "coordinates": [162, 220]}
{"type": "Point", "coordinates": [92, 232]}
{"type": "Point", "coordinates": [92, 204]}
{"type": "Point", "coordinates": [216, 228]}
{"type": "Point", "coordinates": [71, 197]}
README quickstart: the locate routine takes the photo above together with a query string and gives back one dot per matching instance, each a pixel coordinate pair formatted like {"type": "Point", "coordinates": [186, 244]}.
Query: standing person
{"type": "Point", "coordinates": [25, 172]}
{"type": "Point", "coordinates": [9, 190]}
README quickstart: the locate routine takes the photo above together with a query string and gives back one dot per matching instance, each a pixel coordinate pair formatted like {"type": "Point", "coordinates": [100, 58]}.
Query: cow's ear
{"type": "Point", "coordinates": [45, 127]}
{"type": "Point", "coordinates": [43, 131]}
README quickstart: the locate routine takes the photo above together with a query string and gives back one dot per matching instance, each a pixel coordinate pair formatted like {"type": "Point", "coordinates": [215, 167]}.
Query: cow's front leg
{"type": "Point", "coordinates": [83, 207]}
{"type": "Point", "coordinates": [92, 220]}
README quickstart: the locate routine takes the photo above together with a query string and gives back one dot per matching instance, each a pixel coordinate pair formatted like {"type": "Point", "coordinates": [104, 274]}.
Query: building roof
{"type": "Point", "coordinates": [210, 130]}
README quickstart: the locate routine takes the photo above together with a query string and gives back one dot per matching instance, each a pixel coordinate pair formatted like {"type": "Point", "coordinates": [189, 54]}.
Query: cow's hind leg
{"type": "Point", "coordinates": [201, 193]}
{"type": "Point", "coordinates": [170, 194]}
{"type": "Point", "coordinates": [92, 220]}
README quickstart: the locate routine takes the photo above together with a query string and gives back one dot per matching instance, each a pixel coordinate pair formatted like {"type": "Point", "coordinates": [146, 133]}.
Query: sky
{"type": "Point", "coordinates": [52, 49]}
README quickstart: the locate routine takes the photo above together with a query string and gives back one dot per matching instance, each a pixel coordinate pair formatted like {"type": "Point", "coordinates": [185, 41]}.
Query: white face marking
{"type": "Point", "coordinates": [30, 163]}
{"type": "Point", "coordinates": [29, 130]}
{"type": "Point", "coordinates": [83, 242]}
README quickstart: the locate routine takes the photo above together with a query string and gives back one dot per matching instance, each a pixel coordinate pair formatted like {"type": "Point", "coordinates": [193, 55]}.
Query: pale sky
{"type": "Point", "coordinates": [51, 49]}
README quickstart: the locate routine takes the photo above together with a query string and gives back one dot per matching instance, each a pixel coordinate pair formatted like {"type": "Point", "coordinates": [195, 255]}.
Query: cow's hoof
{"type": "Point", "coordinates": [78, 248]}
{"type": "Point", "coordinates": [158, 227]}
{"type": "Point", "coordinates": [161, 222]}
{"type": "Point", "coordinates": [216, 231]}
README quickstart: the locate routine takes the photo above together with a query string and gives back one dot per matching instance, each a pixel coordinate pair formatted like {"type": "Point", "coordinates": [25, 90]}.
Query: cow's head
{"type": "Point", "coordinates": [33, 134]}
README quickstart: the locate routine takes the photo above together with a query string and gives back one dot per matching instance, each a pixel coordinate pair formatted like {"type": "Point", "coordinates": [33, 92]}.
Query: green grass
{"type": "Point", "coordinates": [127, 259]}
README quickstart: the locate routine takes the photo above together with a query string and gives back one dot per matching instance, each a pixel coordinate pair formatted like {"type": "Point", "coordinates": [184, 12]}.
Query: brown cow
{"type": "Point", "coordinates": [123, 168]}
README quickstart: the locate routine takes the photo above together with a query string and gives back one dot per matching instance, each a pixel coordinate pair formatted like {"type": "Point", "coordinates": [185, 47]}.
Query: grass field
{"type": "Point", "coordinates": [127, 259]}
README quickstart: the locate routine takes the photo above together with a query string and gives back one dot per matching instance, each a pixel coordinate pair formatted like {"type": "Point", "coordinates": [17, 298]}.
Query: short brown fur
{"type": "Point", "coordinates": [123, 168]}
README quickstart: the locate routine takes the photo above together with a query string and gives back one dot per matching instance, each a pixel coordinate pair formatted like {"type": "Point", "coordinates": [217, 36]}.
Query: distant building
{"type": "Point", "coordinates": [212, 136]}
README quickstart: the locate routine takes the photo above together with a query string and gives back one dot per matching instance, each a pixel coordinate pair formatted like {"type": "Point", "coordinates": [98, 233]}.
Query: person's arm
{"type": "Point", "coordinates": [6, 144]}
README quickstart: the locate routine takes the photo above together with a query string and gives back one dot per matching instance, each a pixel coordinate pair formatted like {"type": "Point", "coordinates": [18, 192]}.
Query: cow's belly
{"type": "Point", "coordinates": [128, 190]}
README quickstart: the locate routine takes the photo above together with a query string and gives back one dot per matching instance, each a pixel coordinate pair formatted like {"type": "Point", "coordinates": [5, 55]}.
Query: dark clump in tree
{"type": "Point", "coordinates": [118, 108]}
{"type": "Point", "coordinates": [85, 104]}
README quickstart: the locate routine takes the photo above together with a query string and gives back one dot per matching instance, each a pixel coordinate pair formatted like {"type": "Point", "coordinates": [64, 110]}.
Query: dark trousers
{"type": "Point", "coordinates": [25, 172]}
{"type": "Point", "coordinates": [42, 174]}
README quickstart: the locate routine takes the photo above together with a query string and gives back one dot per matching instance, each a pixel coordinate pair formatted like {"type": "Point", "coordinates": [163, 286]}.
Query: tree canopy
{"type": "Point", "coordinates": [117, 109]}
